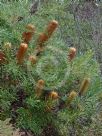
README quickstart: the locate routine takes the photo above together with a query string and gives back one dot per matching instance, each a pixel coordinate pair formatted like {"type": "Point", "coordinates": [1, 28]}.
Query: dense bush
{"type": "Point", "coordinates": [43, 81]}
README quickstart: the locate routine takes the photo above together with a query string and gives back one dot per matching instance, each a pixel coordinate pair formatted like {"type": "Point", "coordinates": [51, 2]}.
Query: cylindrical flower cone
{"type": "Point", "coordinates": [72, 53]}
{"type": "Point", "coordinates": [51, 27]}
{"type": "Point", "coordinates": [33, 59]}
{"type": "Point", "coordinates": [27, 36]}
{"type": "Point", "coordinates": [21, 53]}
{"type": "Point", "coordinates": [2, 57]}
{"type": "Point", "coordinates": [84, 86]}
{"type": "Point", "coordinates": [39, 88]}
{"type": "Point", "coordinates": [71, 97]}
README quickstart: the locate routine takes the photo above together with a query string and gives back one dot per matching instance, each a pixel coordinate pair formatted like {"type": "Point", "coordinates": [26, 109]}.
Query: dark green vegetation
{"type": "Point", "coordinates": [46, 115]}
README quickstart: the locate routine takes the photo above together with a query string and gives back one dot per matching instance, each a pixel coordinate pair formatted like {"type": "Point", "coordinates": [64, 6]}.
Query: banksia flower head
{"type": "Point", "coordinates": [33, 59]}
{"type": "Point", "coordinates": [71, 97]}
{"type": "Point", "coordinates": [21, 53]}
{"type": "Point", "coordinates": [39, 87]}
{"type": "Point", "coordinates": [27, 36]}
{"type": "Point", "coordinates": [72, 53]}
{"type": "Point", "coordinates": [51, 27]}
{"type": "Point", "coordinates": [84, 86]}
{"type": "Point", "coordinates": [43, 37]}
{"type": "Point", "coordinates": [53, 95]}
{"type": "Point", "coordinates": [2, 57]}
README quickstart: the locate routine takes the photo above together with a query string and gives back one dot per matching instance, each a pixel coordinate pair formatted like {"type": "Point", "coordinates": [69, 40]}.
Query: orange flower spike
{"type": "Point", "coordinates": [27, 36]}
{"type": "Point", "coordinates": [84, 86]}
{"type": "Point", "coordinates": [53, 95]}
{"type": "Point", "coordinates": [33, 59]}
{"type": "Point", "coordinates": [51, 27]}
{"type": "Point", "coordinates": [21, 53]}
{"type": "Point", "coordinates": [39, 87]}
{"type": "Point", "coordinates": [72, 53]}
{"type": "Point", "coordinates": [42, 38]}
{"type": "Point", "coordinates": [2, 57]}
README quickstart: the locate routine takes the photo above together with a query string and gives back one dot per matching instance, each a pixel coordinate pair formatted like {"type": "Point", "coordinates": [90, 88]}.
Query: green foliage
{"type": "Point", "coordinates": [36, 116]}
{"type": "Point", "coordinates": [18, 82]}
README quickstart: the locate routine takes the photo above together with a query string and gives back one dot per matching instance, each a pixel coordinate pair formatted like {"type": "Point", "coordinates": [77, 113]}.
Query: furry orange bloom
{"type": "Point", "coordinates": [21, 52]}
{"type": "Point", "coordinates": [43, 37]}
{"type": "Point", "coordinates": [51, 27]}
{"type": "Point", "coordinates": [72, 53]}
{"type": "Point", "coordinates": [84, 86]}
{"type": "Point", "coordinates": [53, 95]}
{"type": "Point", "coordinates": [27, 36]}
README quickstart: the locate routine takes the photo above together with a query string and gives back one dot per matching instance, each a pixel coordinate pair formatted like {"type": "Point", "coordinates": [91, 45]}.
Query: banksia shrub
{"type": "Point", "coordinates": [34, 103]}
{"type": "Point", "coordinates": [21, 53]}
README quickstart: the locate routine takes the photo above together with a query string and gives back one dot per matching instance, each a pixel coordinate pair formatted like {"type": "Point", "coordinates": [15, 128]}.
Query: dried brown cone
{"type": "Point", "coordinates": [71, 97]}
{"type": "Point", "coordinates": [21, 53]}
{"type": "Point", "coordinates": [84, 86]}
{"type": "Point", "coordinates": [39, 87]}
{"type": "Point", "coordinates": [72, 53]}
